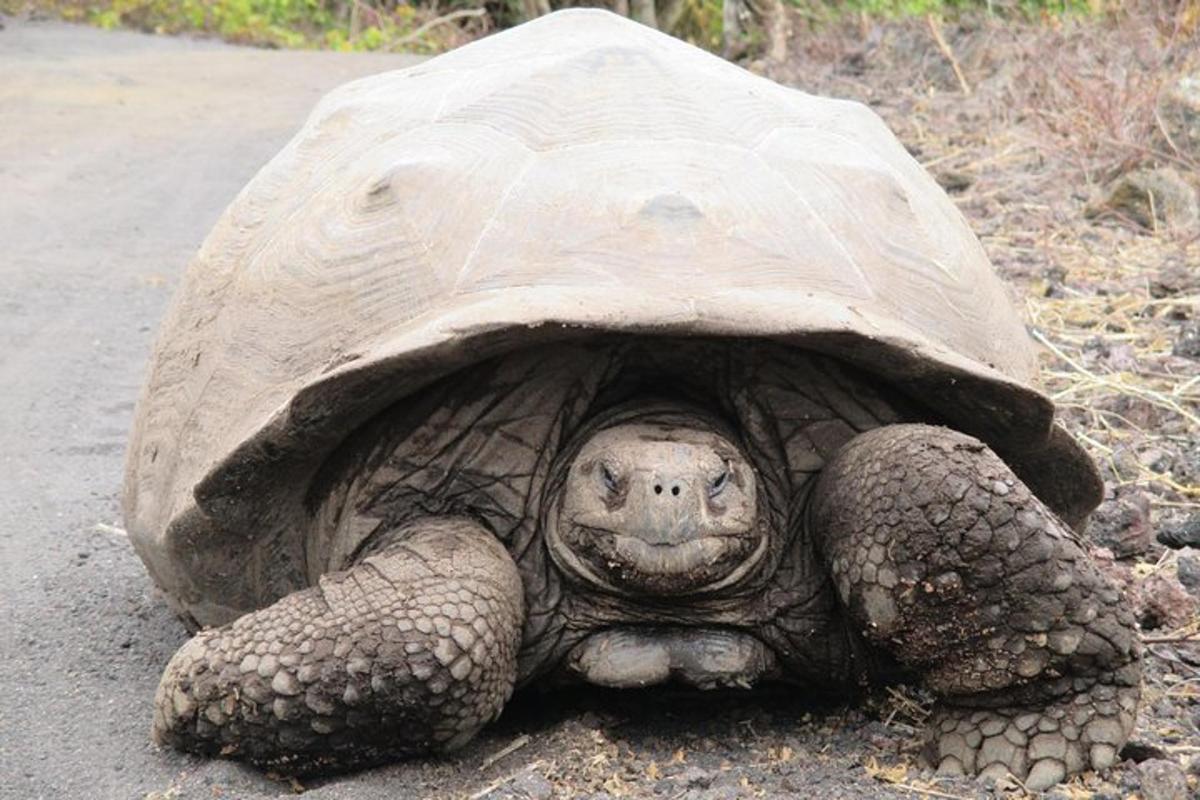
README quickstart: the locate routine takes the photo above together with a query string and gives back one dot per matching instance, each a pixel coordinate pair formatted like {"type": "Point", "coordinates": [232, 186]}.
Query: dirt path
{"type": "Point", "coordinates": [119, 152]}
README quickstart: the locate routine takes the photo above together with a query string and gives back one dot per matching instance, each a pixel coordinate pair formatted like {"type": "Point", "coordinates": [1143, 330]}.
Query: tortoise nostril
{"type": "Point", "coordinates": [675, 490]}
{"type": "Point", "coordinates": [657, 489]}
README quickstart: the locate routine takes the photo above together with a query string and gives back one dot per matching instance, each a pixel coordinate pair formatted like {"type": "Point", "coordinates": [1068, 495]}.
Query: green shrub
{"type": "Point", "coordinates": [331, 24]}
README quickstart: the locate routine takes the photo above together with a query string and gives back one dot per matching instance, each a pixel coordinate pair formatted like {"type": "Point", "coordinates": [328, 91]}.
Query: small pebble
{"type": "Point", "coordinates": [1162, 780]}
{"type": "Point", "coordinates": [1187, 568]}
{"type": "Point", "coordinates": [529, 785]}
{"type": "Point", "coordinates": [694, 778]}
{"type": "Point", "coordinates": [1122, 524]}
{"type": "Point", "coordinates": [1184, 533]}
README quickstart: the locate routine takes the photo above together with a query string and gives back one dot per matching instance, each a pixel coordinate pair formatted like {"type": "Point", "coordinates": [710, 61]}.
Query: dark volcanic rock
{"type": "Point", "coordinates": [1122, 524]}
{"type": "Point", "coordinates": [1152, 199]}
{"type": "Point", "coordinates": [1162, 780]}
{"type": "Point", "coordinates": [1188, 343]}
{"type": "Point", "coordinates": [1188, 570]}
{"type": "Point", "coordinates": [1161, 601]}
{"type": "Point", "coordinates": [1181, 534]}
{"type": "Point", "coordinates": [1158, 601]}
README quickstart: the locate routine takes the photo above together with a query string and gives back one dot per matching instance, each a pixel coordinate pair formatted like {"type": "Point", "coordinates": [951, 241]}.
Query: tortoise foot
{"type": "Point", "coordinates": [1040, 746]}
{"type": "Point", "coordinates": [412, 650]}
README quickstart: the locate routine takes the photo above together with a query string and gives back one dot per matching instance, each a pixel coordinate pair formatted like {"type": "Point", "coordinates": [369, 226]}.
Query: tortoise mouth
{"type": "Point", "coordinates": [703, 562]}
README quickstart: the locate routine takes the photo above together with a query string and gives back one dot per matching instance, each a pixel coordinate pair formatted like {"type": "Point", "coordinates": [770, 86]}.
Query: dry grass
{"type": "Point", "coordinates": [1141, 401]}
{"type": "Point", "coordinates": [1056, 110]}
{"type": "Point", "coordinates": [1108, 335]}
{"type": "Point", "coordinates": [1097, 105]}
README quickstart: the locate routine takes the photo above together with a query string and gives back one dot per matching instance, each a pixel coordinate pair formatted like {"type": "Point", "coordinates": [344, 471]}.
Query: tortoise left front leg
{"type": "Point", "coordinates": [947, 561]}
{"type": "Point", "coordinates": [409, 651]}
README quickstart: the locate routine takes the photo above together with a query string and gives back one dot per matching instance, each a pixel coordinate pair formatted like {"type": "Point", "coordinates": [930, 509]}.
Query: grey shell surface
{"type": "Point", "coordinates": [576, 174]}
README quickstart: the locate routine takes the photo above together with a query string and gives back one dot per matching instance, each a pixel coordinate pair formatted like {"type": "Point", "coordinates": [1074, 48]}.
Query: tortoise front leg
{"type": "Point", "coordinates": [947, 561]}
{"type": "Point", "coordinates": [411, 650]}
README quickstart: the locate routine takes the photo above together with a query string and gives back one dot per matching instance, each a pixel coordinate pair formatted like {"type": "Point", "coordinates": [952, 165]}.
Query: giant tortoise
{"type": "Point", "coordinates": [581, 354]}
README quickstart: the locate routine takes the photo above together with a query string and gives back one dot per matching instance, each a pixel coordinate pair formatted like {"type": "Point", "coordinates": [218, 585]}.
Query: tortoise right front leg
{"type": "Point", "coordinates": [411, 650]}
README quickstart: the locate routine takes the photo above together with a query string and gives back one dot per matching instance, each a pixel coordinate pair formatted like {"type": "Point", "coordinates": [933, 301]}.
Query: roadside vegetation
{"type": "Point", "coordinates": [430, 26]}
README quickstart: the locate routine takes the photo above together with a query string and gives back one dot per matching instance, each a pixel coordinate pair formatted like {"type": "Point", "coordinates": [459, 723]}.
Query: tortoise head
{"type": "Point", "coordinates": [655, 508]}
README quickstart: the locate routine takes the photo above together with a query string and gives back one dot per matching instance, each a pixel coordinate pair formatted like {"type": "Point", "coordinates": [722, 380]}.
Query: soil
{"type": "Point", "coordinates": [121, 150]}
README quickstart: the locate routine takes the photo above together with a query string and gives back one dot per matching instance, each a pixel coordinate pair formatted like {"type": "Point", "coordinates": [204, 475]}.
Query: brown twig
{"type": "Point", "coordinates": [1185, 638]}
{"type": "Point", "coordinates": [936, 30]}
{"type": "Point", "coordinates": [463, 13]}
{"type": "Point", "coordinates": [508, 749]}
{"type": "Point", "coordinates": [928, 792]}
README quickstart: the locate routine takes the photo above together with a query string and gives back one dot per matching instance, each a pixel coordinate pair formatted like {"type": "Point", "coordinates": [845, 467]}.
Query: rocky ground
{"type": "Point", "coordinates": [1074, 151]}
{"type": "Point", "coordinates": [1052, 138]}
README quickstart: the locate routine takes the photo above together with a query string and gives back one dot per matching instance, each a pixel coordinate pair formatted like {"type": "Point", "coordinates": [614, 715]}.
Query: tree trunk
{"type": "Point", "coordinates": [767, 15]}
{"type": "Point", "coordinates": [670, 14]}
{"type": "Point", "coordinates": [773, 18]}
{"type": "Point", "coordinates": [534, 8]}
{"type": "Point", "coordinates": [643, 12]}
{"type": "Point", "coordinates": [732, 43]}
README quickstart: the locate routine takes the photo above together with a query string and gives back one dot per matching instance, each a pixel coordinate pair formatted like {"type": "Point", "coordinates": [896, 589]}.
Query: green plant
{"type": "Point", "coordinates": [391, 24]}
{"type": "Point", "coordinates": [336, 24]}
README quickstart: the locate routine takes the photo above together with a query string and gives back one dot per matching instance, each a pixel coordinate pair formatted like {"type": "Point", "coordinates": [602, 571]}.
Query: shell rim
{"type": "Point", "coordinates": [325, 408]}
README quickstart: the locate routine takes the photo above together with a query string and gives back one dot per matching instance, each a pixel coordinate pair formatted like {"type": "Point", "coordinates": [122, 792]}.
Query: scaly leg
{"type": "Point", "coordinates": [947, 561]}
{"type": "Point", "coordinates": [413, 649]}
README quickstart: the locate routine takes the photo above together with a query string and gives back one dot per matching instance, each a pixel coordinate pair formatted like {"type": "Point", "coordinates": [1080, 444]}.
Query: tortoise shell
{"type": "Point", "coordinates": [578, 174]}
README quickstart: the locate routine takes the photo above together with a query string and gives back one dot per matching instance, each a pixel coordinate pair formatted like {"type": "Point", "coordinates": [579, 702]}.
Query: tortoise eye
{"type": "Point", "coordinates": [719, 483]}
{"type": "Point", "coordinates": [610, 480]}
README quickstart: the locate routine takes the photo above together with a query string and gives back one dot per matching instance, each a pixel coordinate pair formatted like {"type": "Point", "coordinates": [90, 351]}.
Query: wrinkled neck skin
{"type": "Point", "coordinates": [497, 443]}
{"type": "Point", "coordinates": [679, 556]}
